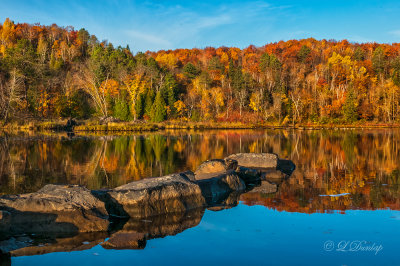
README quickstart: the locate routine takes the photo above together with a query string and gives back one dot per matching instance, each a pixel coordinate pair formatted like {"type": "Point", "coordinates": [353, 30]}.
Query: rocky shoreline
{"type": "Point", "coordinates": [172, 203]}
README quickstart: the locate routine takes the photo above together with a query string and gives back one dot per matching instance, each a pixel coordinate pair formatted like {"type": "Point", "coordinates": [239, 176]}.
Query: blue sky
{"type": "Point", "coordinates": [155, 25]}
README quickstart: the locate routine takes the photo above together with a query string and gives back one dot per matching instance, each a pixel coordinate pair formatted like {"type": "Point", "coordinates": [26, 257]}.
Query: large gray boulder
{"type": "Point", "coordinates": [55, 198]}
{"type": "Point", "coordinates": [54, 209]}
{"type": "Point", "coordinates": [255, 160]}
{"type": "Point", "coordinates": [154, 196]}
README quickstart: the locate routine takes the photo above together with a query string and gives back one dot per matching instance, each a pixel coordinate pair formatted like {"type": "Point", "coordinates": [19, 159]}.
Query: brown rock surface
{"type": "Point", "coordinates": [54, 208]}
{"type": "Point", "coordinates": [255, 160]}
{"type": "Point", "coordinates": [213, 168]}
{"type": "Point", "coordinates": [153, 196]}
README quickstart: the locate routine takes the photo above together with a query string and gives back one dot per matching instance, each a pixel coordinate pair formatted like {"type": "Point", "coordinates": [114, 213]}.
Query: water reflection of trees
{"type": "Point", "coordinates": [328, 162]}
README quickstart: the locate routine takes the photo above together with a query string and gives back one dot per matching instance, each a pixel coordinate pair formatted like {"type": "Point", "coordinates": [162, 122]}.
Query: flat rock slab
{"type": "Point", "coordinates": [154, 196]}
{"type": "Point", "coordinates": [255, 160]}
{"type": "Point", "coordinates": [54, 198]}
{"type": "Point", "coordinates": [55, 209]}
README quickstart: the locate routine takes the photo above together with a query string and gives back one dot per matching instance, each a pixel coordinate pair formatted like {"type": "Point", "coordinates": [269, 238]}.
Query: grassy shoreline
{"type": "Point", "coordinates": [96, 126]}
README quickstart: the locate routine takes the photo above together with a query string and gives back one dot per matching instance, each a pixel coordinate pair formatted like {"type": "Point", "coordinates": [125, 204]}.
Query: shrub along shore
{"type": "Point", "coordinates": [119, 126]}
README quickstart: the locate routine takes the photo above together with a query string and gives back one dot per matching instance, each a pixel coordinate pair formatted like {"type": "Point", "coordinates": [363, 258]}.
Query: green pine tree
{"type": "Point", "coordinates": [139, 106]}
{"type": "Point", "coordinates": [158, 111]}
{"type": "Point", "coordinates": [121, 108]}
{"type": "Point", "coordinates": [349, 107]}
{"type": "Point", "coordinates": [169, 93]}
{"type": "Point", "coordinates": [148, 104]}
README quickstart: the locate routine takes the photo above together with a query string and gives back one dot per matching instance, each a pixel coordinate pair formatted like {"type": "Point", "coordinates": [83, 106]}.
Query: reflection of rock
{"type": "Point", "coordinates": [5, 221]}
{"type": "Point", "coordinates": [286, 166]}
{"type": "Point", "coordinates": [14, 243]}
{"type": "Point", "coordinates": [274, 176]}
{"type": "Point", "coordinates": [54, 208]}
{"type": "Point", "coordinates": [125, 240]}
{"type": "Point", "coordinates": [165, 225]}
{"type": "Point", "coordinates": [82, 241]}
{"type": "Point", "coordinates": [248, 175]}
{"type": "Point", "coordinates": [255, 160]}
{"type": "Point", "coordinates": [70, 222]}
{"type": "Point", "coordinates": [227, 203]}
{"type": "Point", "coordinates": [153, 196]}
{"type": "Point", "coordinates": [217, 189]}
{"type": "Point", "coordinates": [5, 259]}
{"type": "Point", "coordinates": [136, 232]}
{"type": "Point", "coordinates": [265, 188]}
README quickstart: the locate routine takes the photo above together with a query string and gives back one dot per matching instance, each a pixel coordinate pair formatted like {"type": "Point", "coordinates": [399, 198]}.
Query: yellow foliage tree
{"type": "Point", "coordinates": [180, 108]}
{"type": "Point", "coordinates": [136, 85]}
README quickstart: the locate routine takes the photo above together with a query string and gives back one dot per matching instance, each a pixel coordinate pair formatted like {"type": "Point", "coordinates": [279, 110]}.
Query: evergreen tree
{"type": "Point", "coordinates": [169, 93]}
{"type": "Point", "coordinates": [148, 104]}
{"type": "Point", "coordinates": [190, 71]}
{"type": "Point", "coordinates": [121, 107]}
{"type": "Point", "coordinates": [303, 53]}
{"type": "Point", "coordinates": [396, 71]}
{"type": "Point", "coordinates": [359, 54]}
{"type": "Point", "coordinates": [139, 106]}
{"type": "Point", "coordinates": [158, 111]}
{"type": "Point", "coordinates": [349, 107]}
{"type": "Point", "coordinates": [378, 60]}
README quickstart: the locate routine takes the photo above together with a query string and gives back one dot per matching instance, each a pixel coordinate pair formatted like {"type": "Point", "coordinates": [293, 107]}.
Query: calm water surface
{"type": "Point", "coordinates": [298, 224]}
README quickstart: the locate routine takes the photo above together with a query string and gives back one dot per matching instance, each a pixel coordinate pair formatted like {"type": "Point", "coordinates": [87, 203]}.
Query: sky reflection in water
{"type": "Point", "coordinates": [255, 235]}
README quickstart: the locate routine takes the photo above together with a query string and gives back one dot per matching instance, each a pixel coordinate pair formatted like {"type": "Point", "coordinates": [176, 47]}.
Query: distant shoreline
{"type": "Point", "coordinates": [96, 126]}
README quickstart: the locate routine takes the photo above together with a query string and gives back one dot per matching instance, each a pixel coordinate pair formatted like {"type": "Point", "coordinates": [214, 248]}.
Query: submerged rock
{"type": "Point", "coordinates": [255, 160]}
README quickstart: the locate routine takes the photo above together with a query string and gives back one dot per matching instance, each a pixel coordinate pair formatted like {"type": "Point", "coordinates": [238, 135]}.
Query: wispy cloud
{"type": "Point", "coordinates": [359, 39]}
{"type": "Point", "coordinates": [395, 33]}
{"type": "Point", "coordinates": [147, 38]}
{"type": "Point", "coordinates": [188, 26]}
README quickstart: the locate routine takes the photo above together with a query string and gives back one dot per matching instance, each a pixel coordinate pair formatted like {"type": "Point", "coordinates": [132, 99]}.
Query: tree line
{"type": "Point", "coordinates": [59, 72]}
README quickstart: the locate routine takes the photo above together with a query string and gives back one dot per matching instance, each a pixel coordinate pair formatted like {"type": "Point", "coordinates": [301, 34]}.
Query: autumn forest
{"type": "Point", "coordinates": [52, 72]}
